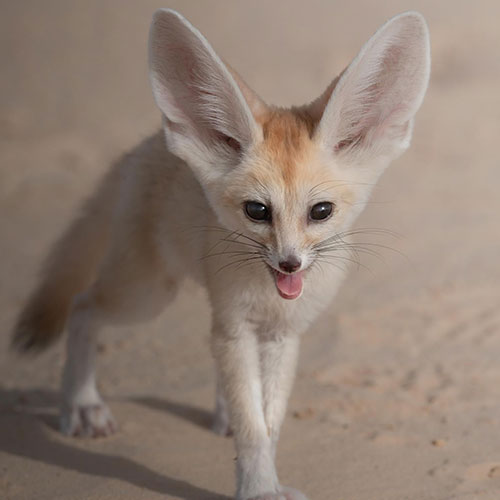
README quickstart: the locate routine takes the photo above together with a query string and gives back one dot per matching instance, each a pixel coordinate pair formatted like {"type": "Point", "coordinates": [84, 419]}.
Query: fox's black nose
{"type": "Point", "coordinates": [291, 264]}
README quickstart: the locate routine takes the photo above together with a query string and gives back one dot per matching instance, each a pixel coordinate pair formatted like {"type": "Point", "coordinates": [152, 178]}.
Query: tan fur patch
{"type": "Point", "coordinates": [287, 135]}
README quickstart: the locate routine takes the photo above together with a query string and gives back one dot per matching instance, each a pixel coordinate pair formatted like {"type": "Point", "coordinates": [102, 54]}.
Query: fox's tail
{"type": "Point", "coordinates": [69, 269]}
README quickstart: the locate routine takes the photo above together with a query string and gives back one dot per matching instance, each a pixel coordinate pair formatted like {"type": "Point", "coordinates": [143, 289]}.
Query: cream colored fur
{"type": "Point", "coordinates": [175, 207]}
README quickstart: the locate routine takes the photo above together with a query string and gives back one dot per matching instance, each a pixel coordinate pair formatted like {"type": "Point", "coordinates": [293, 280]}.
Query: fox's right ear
{"type": "Point", "coordinates": [208, 110]}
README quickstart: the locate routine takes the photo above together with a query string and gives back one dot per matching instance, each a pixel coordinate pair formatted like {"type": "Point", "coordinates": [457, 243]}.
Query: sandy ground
{"type": "Point", "coordinates": [397, 395]}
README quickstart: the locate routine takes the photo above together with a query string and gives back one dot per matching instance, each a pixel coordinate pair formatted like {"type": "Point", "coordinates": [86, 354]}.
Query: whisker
{"type": "Point", "coordinates": [339, 256]}
{"type": "Point", "coordinates": [256, 248]}
{"type": "Point", "coordinates": [339, 237]}
{"type": "Point", "coordinates": [251, 245]}
{"type": "Point", "coordinates": [353, 249]}
{"type": "Point", "coordinates": [385, 247]}
{"type": "Point", "coordinates": [252, 239]}
{"type": "Point", "coordinates": [231, 253]}
{"type": "Point", "coordinates": [234, 262]}
{"type": "Point", "coordinates": [357, 263]}
{"type": "Point", "coordinates": [372, 230]}
{"type": "Point", "coordinates": [340, 248]}
{"type": "Point", "coordinates": [245, 264]}
{"type": "Point", "coordinates": [318, 264]}
{"type": "Point", "coordinates": [213, 247]}
{"type": "Point", "coordinates": [334, 264]}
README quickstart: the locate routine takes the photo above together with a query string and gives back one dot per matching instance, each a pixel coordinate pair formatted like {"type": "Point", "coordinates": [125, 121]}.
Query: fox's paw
{"type": "Point", "coordinates": [284, 494]}
{"type": "Point", "coordinates": [93, 421]}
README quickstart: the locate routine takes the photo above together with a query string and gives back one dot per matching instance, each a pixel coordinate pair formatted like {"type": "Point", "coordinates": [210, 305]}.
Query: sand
{"type": "Point", "coordinates": [397, 395]}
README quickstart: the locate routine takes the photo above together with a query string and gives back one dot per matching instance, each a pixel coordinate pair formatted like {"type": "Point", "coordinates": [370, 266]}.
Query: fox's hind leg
{"type": "Point", "coordinates": [83, 411]}
{"type": "Point", "coordinates": [129, 288]}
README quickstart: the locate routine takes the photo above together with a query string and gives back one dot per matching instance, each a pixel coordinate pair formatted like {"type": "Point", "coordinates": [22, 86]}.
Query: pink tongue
{"type": "Point", "coordinates": [289, 285]}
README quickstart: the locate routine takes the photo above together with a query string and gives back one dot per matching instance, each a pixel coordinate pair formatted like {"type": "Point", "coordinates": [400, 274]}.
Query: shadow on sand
{"type": "Point", "coordinates": [32, 411]}
{"type": "Point", "coordinates": [197, 416]}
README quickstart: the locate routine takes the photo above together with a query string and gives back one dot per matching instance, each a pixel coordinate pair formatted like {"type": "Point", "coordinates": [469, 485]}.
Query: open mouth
{"type": "Point", "coordinates": [289, 285]}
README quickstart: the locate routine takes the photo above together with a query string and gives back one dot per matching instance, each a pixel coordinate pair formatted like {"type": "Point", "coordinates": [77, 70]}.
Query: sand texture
{"type": "Point", "coordinates": [398, 390]}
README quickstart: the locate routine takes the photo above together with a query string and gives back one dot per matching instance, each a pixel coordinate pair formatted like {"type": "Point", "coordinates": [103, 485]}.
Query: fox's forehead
{"type": "Point", "coordinates": [288, 159]}
{"type": "Point", "coordinates": [286, 130]}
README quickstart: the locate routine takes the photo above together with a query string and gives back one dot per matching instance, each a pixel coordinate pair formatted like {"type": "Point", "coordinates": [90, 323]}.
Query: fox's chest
{"type": "Point", "coordinates": [272, 316]}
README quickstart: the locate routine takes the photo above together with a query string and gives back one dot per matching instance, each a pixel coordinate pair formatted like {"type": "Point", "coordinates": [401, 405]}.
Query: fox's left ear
{"type": "Point", "coordinates": [367, 113]}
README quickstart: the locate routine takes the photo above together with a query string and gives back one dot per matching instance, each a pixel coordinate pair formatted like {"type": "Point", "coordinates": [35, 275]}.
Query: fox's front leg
{"type": "Point", "coordinates": [221, 417]}
{"type": "Point", "coordinates": [238, 359]}
{"type": "Point", "coordinates": [278, 361]}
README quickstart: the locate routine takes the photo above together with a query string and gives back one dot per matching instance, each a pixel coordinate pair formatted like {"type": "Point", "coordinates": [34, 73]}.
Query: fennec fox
{"type": "Point", "coordinates": [246, 198]}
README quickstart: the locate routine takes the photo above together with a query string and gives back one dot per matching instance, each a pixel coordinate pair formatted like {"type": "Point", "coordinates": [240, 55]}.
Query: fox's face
{"type": "Point", "coordinates": [290, 198]}
{"type": "Point", "coordinates": [289, 181]}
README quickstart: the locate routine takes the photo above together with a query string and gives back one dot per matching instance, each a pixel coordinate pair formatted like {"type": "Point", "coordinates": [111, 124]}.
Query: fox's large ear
{"type": "Point", "coordinates": [207, 107]}
{"type": "Point", "coordinates": [367, 114]}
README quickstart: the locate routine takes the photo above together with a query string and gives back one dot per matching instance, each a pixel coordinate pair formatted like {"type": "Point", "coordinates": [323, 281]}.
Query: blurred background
{"type": "Point", "coordinates": [397, 394]}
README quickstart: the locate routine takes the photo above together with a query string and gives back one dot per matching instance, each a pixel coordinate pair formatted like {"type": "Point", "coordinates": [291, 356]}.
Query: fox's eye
{"type": "Point", "coordinates": [257, 211]}
{"type": "Point", "coordinates": [321, 211]}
